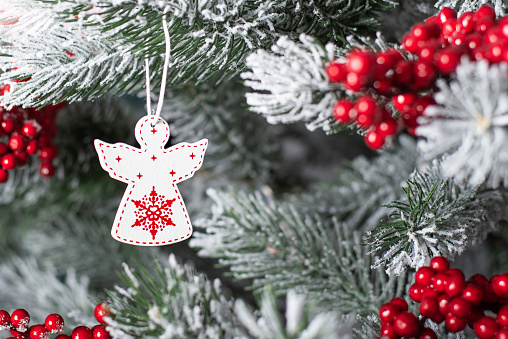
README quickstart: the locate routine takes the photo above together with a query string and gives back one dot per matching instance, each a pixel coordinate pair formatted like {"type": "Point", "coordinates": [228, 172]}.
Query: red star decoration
{"type": "Point", "coordinates": [153, 212]}
{"type": "Point", "coordinates": [172, 172]}
{"type": "Point", "coordinates": [153, 130]}
{"type": "Point", "coordinates": [118, 158]}
{"type": "Point", "coordinates": [153, 157]}
{"type": "Point", "coordinates": [192, 156]}
{"type": "Point", "coordinates": [139, 175]}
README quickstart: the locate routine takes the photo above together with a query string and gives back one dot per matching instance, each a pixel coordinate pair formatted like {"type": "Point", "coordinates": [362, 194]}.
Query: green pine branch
{"type": "Point", "coordinates": [278, 246]}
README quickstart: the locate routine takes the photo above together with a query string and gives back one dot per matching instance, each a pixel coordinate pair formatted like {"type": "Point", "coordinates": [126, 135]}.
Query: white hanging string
{"type": "Point", "coordinates": [164, 72]}
{"type": "Point", "coordinates": [148, 101]}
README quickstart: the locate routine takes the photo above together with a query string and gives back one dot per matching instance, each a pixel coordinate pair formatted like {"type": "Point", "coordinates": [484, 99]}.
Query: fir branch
{"type": "Point", "coordinates": [240, 145]}
{"type": "Point", "coordinates": [277, 246]}
{"type": "Point", "coordinates": [436, 218]}
{"type": "Point", "coordinates": [302, 320]}
{"type": "Point", "coordinates": [24, 283]}
{"type": "Point", "coordinates": [176, 302]}
{"type": "Point", "coordinates": [372, 182]}
{"type": "Point", "coordinates": [469, 128]}
{"type": "Point", "coordinates": [291, 83]}
{"type": "Point", "coordinates": [207, 40]}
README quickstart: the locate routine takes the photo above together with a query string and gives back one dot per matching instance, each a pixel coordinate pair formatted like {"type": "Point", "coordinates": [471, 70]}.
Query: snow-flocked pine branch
{"type": "Point", "coordinates": [437, 217]}
{"type": "Point", "coordinates": [472, 5]}
{"type": "Point", "coordinates": [176, 302]}
{"type": "Point", "coordinates": [469, 127]}
{"type": "Point", "coordinates": [275, 245]}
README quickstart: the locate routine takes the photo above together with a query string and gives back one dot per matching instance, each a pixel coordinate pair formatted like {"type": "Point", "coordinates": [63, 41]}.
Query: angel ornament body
{"type": "Point", "coordinates": [152, 211]}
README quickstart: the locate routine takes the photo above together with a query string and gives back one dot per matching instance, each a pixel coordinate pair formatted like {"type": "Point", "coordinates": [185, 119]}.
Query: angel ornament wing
{"type": "Point", "coordinates": [152, 211]}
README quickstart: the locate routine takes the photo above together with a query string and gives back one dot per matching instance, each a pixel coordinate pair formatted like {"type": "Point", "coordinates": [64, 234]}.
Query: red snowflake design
{"type": "Point", "coordinates": [153, 212]}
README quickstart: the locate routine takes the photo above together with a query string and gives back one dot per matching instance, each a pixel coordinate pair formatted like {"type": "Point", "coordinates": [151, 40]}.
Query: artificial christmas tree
{"type": "Point", "coordinates": [354, 149]}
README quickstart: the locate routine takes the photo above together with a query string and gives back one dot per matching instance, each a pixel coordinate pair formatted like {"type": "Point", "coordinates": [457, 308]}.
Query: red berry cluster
{"type": "Point", "coordinates": [17, 324]}
{"type": "Point", "coordinates": [433, 49]}
{"type": "Point", "coordinates": [27, 132]}
{"type": "Point", "coordinates": [397, 322]}
{"type": "Point", "coordinates": [445, 295]}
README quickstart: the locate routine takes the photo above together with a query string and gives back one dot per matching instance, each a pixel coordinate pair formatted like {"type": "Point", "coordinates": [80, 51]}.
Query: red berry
{"type": "Point", "coordinates": [427, 52]}
{"type": "Point", "coordinates": [39, 332]}
{"type": "Point", "coordinates": [438, 282]}
{"type": "Point", "coordinates": [502, 333]}
{"type": "Point", "coordinates": [403, 102]}
{"type": "Point", "coordinates": [336, 72]}
{"type": "Point", "coordinates": [455, 284]}
{"type": "Point", "coordinates": [455, 324]}
{"type": "Point", "coordinates": [9, 161]}
{"type": "Point", "coordinates": [3, 148]}
{"type": "Point", "coordinates": [438, 318]}
{"type": "Point", "coordinates": [499, 284]}
{"type": "Point", "coordinates": [459, 307]}
{"type": "Point", "coordinates": [32, 147]}
{"type": "Point", "coordinates": [99, 332]}
{"type": "Point", "coordinates": [101, 311]}
{"type": "Point", "coordinates": [374, 139]}
{"type": "Point", "coordinates": [475, 315]}
{"type": "Point", "coordinates": [47, 170]}
{"type": "Point", "coordinates": [439, 263]}
{"type": "Point", "coordinates": [20, 319]}
{"type": "Point", "coordinates": [466, 22]}
{"type": "Point", "coordinates": [5, 89]}
{"type": "Point", "coordinates": [385, 61]}
{"type": "Point", "coordinates": [486, 12]}
{"type": "Point", "coordinates": [479, 279]}
{"type": "Point", "coordinates": [384, 86]}
{"type": "Point", "coordinates": [388, 311]}
{"type": "Point", "coordinates": [410, 43]}
{"type": "Point", "coordinates": [424, 75]}
{"type": "Point", "coordinates": [82, 332]}
{"type": "Point", "coordinates": [473, 294]}
{"type": "Point", "coordinates": [54, 323]}
{"type": "Point", "coordinates": [355, 82]}
{"type": "Point", "coordinates": [406, 324]}
{"type": "Point", "coordinates": [388, 331]}
{"type": "Point", "coordinates": [483, 25]}
{"type": "Point", "coordinates": [366, 108]}
{"type": "Point", "coordinates": [341, 111]}
{"type": "Point", "coordinates": [5, 319]}
{"type": "Point", "coordinates": [446, 13]}
{"type": "Point", "coordinates": [449, 27]}
{"type": "Point", "coordinates": [420, 32]}
{"type": "Point", "coordinates": [427, 333]}
{"type": "Point", "coordinates": [496, 52]}
{"type": "Point", "coordinates": [17, 143]}
{"type": "Point", "coordinates": [503, 26]}
{"type": "Point", "coordinates": [416, 292]}
{"type": "Point", "coordinates": [9, 125]}
{"type": "Point", "coordinates": [429, 307]}
{"type": "Point", "coordinates": [403, 72]}
{"type": "Point", "coordinates": [360, 62]}
{"type": "Point", "coordinates": [444, 303]}
{"type": "Point", "coordinates": [447, 60]}
{"type": "Point", "coordinates": [4, 175]}
{"type": "Point", "coordinates": [387, 127]}
{"type": "Point", "coordinates": [502, 316]}
{"type": "Point", "coordinates": [473, 42]}
{"type": "Point", "coordinates": [29, 130]}
{"type": "Point", "coordinates": [429, 292]}
{"type": "Point", "coordinates": [401, 303]}
{"type": "Point", "coordinates": [48, 153]}
{"type": "Point", "coordinates": [63, 336]}
{"type": "Point", "coordinates": [486, 328]}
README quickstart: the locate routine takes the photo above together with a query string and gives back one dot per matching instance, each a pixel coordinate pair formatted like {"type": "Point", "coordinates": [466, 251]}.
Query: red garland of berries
{"type": "Point", "coordinates": [27, 132]}
{"type": "Point", "coordinates": [17, 324]}
{"type": "Point", "coordinates": [445, 295]}
{"type": "Point", "coordinates": [432, 49]}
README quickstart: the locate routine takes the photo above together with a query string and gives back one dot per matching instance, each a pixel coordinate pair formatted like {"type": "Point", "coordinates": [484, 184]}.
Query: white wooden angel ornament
{"type": "Point", "coordinates": [152, 211]}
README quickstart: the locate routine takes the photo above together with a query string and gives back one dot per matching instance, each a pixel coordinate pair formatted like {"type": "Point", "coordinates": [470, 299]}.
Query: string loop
{"type": "Point", "coordinates": [164, 72]}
